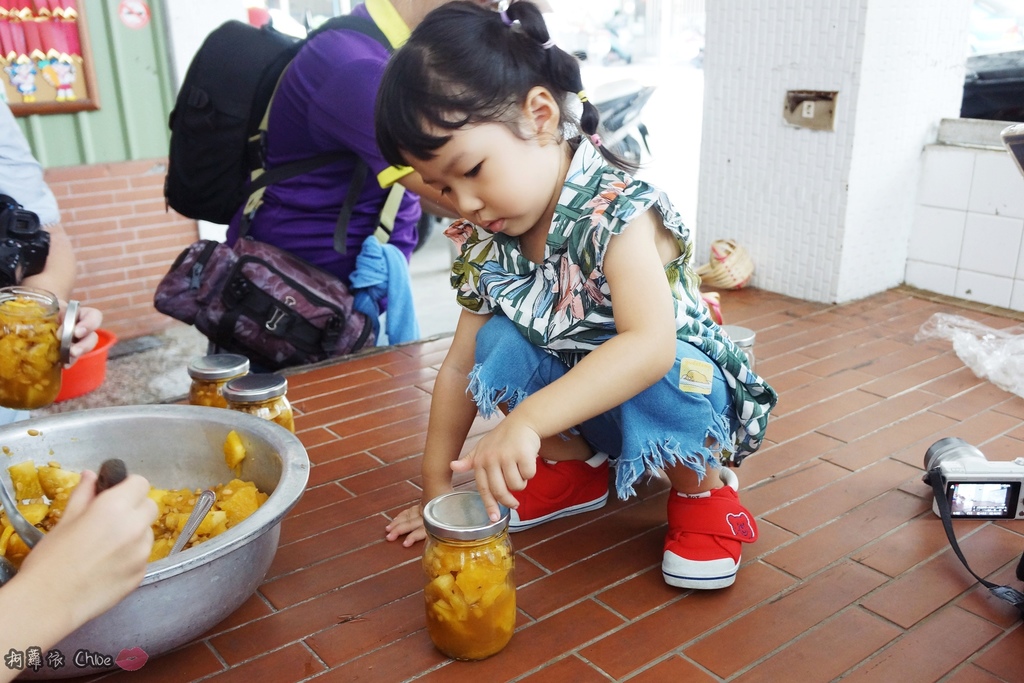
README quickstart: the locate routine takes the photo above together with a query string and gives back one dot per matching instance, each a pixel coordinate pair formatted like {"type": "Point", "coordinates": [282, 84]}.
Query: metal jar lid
{"type": "Point", "coordinates": [741, 336]}
{"type": "Point", "coordinates": [218, 366]}
{"type": "Point", "coordinates": [460, 516]}
{"type": "Point", "coordinates": [254, 388]}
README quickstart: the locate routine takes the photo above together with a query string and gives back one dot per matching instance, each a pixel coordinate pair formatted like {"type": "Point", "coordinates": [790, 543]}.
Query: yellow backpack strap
{"type": "Point", "coordinates": [259, 140]}
{"type": "Point", "coordinates": [386, 221]}
{"type": "Point", "coordinates": [261, 178]}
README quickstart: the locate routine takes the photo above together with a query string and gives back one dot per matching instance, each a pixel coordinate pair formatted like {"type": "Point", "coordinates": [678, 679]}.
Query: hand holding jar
{"type": "Point", "coordinates": [83, 334]}
{"type": "Point", "coordinates": [31, 341]}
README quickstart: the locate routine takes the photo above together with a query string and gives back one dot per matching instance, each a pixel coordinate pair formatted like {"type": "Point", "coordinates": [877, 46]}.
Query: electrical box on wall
{"type": "Point", "coordinates": [814, 109]}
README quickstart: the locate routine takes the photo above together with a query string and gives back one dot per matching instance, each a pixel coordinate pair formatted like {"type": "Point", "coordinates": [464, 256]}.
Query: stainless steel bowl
{"type": "Point", "coordinates": [184, 595]}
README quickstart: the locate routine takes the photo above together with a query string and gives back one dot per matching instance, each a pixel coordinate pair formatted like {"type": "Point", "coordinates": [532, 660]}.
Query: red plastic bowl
{"type": "Point", "coordinates": [89, 370]}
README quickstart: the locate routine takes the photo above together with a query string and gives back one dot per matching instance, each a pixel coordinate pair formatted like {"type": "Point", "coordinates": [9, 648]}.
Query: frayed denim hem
{"type": "Point", "coordinates": [488, 398]}
{"type": "Point", "coordinates": [669, 453]}
{"type": "Point", "coordinates": [661, 427]}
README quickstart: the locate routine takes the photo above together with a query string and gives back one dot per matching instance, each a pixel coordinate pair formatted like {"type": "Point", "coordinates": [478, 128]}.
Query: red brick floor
{"type": "Point", "coordinates": [852, 576]}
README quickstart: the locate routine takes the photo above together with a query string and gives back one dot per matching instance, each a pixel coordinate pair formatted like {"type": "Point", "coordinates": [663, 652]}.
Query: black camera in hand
{"type": "Point", "coordinates": [975, 487]}
{"type": "Point", "coordinates": [24, 245]}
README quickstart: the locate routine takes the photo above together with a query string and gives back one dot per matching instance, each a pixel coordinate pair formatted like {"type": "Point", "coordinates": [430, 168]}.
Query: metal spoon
{"type": "Point", "coordinates": [195, 518]}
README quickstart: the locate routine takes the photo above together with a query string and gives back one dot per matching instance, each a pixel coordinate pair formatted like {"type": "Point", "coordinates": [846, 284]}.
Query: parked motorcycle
{"type": "Point", "coordinates": [620, 104]}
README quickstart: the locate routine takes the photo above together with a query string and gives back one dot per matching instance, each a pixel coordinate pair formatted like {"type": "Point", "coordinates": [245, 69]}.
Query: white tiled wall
{"type": "Point", "coordinates": [968, 227]}
{"type": "Point", "coordinates": [825, 215]}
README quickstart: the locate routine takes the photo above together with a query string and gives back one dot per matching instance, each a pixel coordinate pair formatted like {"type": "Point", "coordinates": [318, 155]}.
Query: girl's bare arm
{"type": "Point", "coordinates": [452, 412]}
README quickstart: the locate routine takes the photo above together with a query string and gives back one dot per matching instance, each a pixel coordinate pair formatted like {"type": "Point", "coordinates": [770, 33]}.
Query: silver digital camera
{"type": "Point", "coordinates": [975, 487]}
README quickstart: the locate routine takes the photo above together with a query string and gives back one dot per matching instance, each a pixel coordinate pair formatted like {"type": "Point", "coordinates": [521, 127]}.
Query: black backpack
{"type": "Point", "coordinates": [216, 140]}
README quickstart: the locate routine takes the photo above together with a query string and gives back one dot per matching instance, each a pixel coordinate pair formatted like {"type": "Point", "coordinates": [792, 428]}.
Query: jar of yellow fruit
{"type": "Point", "coordinates": [30, 362]}
{"type": "Point", "coordinates": [262, 395]}
{"type": "Point", "coordinates": [209, 375]}
{"type": "Point", "coordinates": [470, 592]}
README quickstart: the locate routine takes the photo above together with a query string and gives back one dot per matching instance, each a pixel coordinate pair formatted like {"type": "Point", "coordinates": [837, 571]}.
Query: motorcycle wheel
{"type": "Point", "coordinates": [427, 226]}
{"type": "Point", "coordinates": [423, 229]}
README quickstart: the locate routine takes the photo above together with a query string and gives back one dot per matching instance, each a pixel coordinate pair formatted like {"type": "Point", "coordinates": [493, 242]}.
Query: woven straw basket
{"type": "Point", "coordinates": [730, 266]}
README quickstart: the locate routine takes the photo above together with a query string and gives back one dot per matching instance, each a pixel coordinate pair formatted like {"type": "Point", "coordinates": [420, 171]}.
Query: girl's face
{"type": "Point", "coordinates": [498, 180]}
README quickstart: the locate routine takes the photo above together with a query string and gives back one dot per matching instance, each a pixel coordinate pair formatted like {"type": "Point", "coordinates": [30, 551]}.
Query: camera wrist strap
{"type": "Point", "coordinates": [1007, 593]}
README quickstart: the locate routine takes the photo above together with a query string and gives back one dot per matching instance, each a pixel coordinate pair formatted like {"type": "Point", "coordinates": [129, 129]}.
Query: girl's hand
{"type": "Point", "coordinates": [97, 553]}
{"type": "Point", "coordinates": [503, 461]}
{"type": "Point", "coordinates": [85, 337]}
{"type": "Point", "coordinates": [408, 523]}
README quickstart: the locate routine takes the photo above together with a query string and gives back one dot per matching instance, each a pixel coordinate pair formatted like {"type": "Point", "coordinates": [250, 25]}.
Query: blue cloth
{"type": "Point", "coordinates": [669, 423]}
{"type": "Point", "coordinates": [9, 415]}
{"type": "Point", "coordinates": [382, 274]}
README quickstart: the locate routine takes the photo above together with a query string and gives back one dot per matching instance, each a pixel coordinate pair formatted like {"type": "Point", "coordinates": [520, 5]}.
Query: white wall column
{"type": "Point", "coordinates": [825, 215]}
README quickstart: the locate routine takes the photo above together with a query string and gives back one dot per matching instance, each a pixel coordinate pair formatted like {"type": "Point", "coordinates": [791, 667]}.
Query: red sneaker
{"type": "Point", "coordinates": [705, 536]}
{"type": "Point", "coordinates": [561, 489]}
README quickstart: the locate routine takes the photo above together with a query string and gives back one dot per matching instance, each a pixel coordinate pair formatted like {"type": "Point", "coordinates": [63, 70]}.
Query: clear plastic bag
{"type": "Point", "coordinates": [995, 355]}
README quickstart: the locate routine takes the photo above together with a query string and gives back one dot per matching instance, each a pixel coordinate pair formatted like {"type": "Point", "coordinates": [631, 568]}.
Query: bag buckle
{"type": "Point", "coordinates": [195, 278]}
{"type": "Point", "coordinates": [275, 319]}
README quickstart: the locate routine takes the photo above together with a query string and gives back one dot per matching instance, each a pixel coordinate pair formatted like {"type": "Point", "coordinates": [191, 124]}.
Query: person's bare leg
{"type": "Point", "coordinates": [686, 481]}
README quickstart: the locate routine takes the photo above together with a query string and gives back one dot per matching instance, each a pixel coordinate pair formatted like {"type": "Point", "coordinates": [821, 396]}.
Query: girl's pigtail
{"type": "Point", "coordinates": [564, 70]}
{"type": "Point", "coordinates": [590, 120]}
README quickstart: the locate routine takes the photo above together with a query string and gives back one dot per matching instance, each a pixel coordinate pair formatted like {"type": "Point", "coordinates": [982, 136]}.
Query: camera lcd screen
{"type": "Point", "coordinates": [986, 500]}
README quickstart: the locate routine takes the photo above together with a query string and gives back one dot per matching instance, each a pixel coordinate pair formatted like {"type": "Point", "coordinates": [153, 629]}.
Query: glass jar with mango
{"type": "Point", "coordinates": [209, 375]}
{"type": "Point", "coordinates": [262, 395]}
{"type": "Point", "coordinates": [30, 367]}
{"type": "Point", "coordinates": [470, 590]}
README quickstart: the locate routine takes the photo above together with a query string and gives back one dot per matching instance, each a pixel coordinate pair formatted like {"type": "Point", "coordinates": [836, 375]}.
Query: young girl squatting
{"type": "Point", "coordinates": [582, 318]}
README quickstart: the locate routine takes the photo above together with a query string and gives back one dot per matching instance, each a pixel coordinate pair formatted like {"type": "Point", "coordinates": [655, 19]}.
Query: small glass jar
{"type": "Point", "coordinates": [262, 395]}
{"type": "Point", "coordinates": [209, 375]}
{"type": "Point", "coordinates": [743, 338]}
{"type": "Point", "coordinates": [30, 365]}
{"type": "Point", "coordinates": [470, 588]}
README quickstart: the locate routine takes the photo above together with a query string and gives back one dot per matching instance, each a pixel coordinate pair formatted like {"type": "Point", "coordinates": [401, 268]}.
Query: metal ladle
{"type": "Point", "coordinates": [28, 532]}
{"type": "Point", "coordinates": [22, 526]}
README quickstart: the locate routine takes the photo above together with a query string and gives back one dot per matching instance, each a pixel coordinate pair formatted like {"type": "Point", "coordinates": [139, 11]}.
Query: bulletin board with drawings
{"type": "Point", "coordinates": [44, 55]}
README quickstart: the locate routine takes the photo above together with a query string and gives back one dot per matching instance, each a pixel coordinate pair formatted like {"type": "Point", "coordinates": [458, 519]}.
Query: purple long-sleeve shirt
{"type": "Point", "coordinates": [325, 104]}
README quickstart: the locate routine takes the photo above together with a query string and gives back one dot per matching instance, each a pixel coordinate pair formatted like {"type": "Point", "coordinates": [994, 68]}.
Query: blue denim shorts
{"type": "Point", "coordinates": [686, 418]}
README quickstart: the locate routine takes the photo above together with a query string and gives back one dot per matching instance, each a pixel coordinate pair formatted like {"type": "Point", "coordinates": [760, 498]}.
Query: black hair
{"type": "Point", "coordinates": [463, 65]}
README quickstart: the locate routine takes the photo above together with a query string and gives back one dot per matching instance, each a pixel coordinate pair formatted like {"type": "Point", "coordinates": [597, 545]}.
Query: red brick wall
{"type": "Point", "coordinates": [124, 239]}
